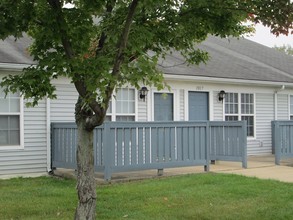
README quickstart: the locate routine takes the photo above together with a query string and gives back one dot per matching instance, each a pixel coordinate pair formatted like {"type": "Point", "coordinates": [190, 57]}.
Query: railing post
{"type": "Point", "coordinates": [208, 137]}
{"type": "Point", "coordinates": [244, 143]}
{"type": "Point", "coordinates": [277, 142]}
{"type": "Point", "coordinates": [95, 147]}
{"type": "Point", "coordinates": [107, 152]}
{"type": "Point", "coordinates": [55, 145]}
{"type": "Point", "coordinates": [52, 145]}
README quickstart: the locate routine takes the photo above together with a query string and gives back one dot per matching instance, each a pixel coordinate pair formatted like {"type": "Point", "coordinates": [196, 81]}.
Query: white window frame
{"type": "Point", "coordinates": [240, 114]}
{"type": "Point", "coordinates": [113, 114]}
{"type": "Point", "coordinates": [21, 127]}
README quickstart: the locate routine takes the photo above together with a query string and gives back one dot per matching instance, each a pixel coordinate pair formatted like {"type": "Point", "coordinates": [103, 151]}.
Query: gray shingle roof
{"type": "Point", "coordinates": [15, 52]}
{"type": "Point", "coordinates": [229, 58]}
{"type": "Point", "coordinates": [235, 59]}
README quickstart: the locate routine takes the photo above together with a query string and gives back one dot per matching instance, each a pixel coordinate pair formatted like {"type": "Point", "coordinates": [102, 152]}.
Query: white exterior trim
{"type": "Point", "coordinates": [226, 80]}
{"type": "Point", "coordinates": [48, 124]}
{"type": "Point", "coordinates": [289, 109]}
{"type": "Point", "coordinates": [211, 105]}
{"type": "Point", "coordinates": [254, 117]}
{"type": "Point", "coordinates": [240, 114]}
{"type": "Point", "coordinates": [13, 66]}
{"type": "Point", "coordinates": [186, 103]}
{"type": "Point", "coordinates": [176, 104]}
{"type": "Point", "coordinates": [21, 129]}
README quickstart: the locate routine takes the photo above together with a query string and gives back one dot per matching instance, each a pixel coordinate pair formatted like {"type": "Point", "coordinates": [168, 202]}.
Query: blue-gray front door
{"type": "Point", "coordinates": [163, 107]}
{"type": "Point", "coordinates": [198, 106]}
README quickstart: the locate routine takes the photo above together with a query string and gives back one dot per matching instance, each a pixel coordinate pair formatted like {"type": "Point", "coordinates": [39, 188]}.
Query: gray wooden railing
{"type": "Point", "coordinates": [282, 140]}
{"type": "Point", "coordinates": [228, 141]}
{"type": "Point", "coordinates": [128, 146]}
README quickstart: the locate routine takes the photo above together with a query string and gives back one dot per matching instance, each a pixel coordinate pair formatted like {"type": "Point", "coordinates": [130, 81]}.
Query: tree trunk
{"type": "Point", "coordinates": [86, 185]}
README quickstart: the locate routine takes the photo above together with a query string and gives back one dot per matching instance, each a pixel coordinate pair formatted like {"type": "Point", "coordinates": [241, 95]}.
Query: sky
{"type": "Point", "coordinates": [263, 36]}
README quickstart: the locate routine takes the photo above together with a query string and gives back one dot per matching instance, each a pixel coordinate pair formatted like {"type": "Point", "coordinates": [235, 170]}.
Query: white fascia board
{"type": "Point", "coordinates": [225, 80]}
{"type": "Point", "coordinates": [13, 66]}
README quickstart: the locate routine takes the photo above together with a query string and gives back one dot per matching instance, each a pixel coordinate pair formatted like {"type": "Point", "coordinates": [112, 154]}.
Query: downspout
{"type": "Point", "coordinates": [48, 129]}
{"type": "Point", "coordinates": [276, 101]}
{"type": "Point", "coordinates": [276, 105]}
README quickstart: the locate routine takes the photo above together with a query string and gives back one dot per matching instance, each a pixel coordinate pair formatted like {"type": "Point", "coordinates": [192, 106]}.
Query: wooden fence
{"type": "Point", "coordinates": [282, 139]}
{"type": "Point", "coordinates": [129, 146]}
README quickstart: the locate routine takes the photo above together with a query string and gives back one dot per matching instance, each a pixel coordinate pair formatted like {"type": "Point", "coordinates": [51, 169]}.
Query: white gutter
{"type": "Point", "coordinates": [13, 66]}
{"type": "Point", "coordinates": [224, 80]}
{"type": "Point", "coordinates": [48, 129]}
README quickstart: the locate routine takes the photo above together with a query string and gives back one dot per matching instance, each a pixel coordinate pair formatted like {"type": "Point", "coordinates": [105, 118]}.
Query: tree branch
{"type": "Point", "coordinates": [79, 84]}
{"type": "Point", "coordinates": [121, 47]}
{"type": "Point", "coordinates": [109, 8]}
{"type": "Point", "coordinates": [57, 8]}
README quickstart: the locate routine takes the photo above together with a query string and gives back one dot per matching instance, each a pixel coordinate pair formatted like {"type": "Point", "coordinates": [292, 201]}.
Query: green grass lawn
{"type": "Point", "coordinates": [201, 196]}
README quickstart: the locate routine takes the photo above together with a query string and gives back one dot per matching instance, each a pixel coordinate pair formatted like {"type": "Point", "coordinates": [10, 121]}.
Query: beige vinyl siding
{"type": "Point", "coordinates": [282, 107]}
{"type": "Point", "coordinates": [264, 115]}
{"type": "Point", "coordinates": [252, 146]}
{"type": "Point", "coordinates": [181, 105]}
{"type": "Point", "coordinates": [33, 157]}
{"type": "Point", "coordinates": [142, 110]}
{"type": "Point", "coordinates": [218, 107]}
{"type": "Point", "coordinates": [62, 108]}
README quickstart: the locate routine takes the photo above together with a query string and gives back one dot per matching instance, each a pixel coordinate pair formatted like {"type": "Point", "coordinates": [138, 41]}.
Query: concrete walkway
{"type": "Point", "coordinates": [258, 166]}
{"type": "Point", "coordinates": [262, 167]}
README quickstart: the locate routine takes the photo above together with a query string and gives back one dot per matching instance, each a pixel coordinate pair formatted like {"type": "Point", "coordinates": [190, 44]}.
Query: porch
{"type": "Point", "coordinates": [142, 148]}
{"type": "Point", "coordinates": [258, 166]}
{"type": "Point", "coordinates": [121, 147]}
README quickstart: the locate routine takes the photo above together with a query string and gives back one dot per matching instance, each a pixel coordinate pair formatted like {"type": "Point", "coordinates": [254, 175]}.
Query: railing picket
{"type": "Point", "coordinates": [127, 147]}
{"type": "Point", "coordinates": [179, 144]}
{"type": "Point", "coordinates": [167, 144]}
{"type": "Point", "coordinates": [141, 146]}
{"type": "Point", "coordinates": [147, 145]}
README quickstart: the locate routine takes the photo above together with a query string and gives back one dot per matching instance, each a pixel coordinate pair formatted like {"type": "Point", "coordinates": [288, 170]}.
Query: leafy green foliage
{"type": "Point", "coordinates": [82, 42]}
{"type": "Point", "coordinates": [103, 44]}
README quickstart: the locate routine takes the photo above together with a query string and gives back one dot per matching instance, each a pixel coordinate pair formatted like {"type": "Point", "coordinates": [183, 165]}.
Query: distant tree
{"type": "Point", "coordinates": [102, 44]}
{"type": "Point", "coordinates": [288, 49]}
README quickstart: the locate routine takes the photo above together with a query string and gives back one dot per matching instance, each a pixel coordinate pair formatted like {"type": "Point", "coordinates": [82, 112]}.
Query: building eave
{"type": "Point", "coordinates": [226, 80]}
{"type": "Point", "coordinates": [13, 66]}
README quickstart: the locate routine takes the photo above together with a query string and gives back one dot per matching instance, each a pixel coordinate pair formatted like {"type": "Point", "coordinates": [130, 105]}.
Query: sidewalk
{"type": "Point", "coordinates": [262, 167]}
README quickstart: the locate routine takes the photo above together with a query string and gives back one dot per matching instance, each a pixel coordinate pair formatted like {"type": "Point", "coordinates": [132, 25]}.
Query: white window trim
{"type": "Point", "coordinates": [21, 129]}
{"type": "Point", "coordinates": [113, 114]}
{"type": "Point", "coordinates": [240, 114]}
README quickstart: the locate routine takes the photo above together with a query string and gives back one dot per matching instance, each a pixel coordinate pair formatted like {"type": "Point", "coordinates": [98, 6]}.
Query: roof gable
{"type": "Point", "coordinates": [15, 51]}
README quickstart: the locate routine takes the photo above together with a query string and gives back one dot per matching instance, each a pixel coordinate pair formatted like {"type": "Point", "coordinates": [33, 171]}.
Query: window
{"type": "Point", "coordinates": [291, 107]}
{"type": "Point", "coordinates": [240, 109]}
{"type": "Point", "coordinates": [10, 117]}
{"type": "Point", "coordinates": [122, 107]}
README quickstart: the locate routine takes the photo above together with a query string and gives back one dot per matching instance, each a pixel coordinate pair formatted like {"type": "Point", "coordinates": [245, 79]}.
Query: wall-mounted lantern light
{"type": "Point", "coordinates": [221, 95]}
{"type": "Point", "coordinates": [143, 93]}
